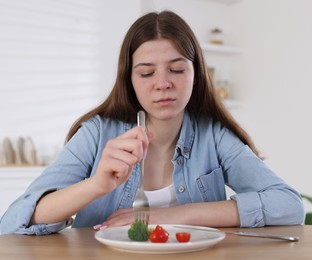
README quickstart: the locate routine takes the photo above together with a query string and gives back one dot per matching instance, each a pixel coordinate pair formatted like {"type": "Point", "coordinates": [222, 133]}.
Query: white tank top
{"type": "Point", "coordinates": [162, 198]}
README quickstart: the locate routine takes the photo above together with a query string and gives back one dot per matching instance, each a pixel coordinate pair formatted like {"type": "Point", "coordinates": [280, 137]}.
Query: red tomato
{"type": "Point", "coordinates": [159, 235]}
{"type": "Point", "coordinates": [183, 237]}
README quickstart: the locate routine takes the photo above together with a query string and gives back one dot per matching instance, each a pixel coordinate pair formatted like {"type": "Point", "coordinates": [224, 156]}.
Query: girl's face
{"type": "Point", "coordinates": [162, 79]}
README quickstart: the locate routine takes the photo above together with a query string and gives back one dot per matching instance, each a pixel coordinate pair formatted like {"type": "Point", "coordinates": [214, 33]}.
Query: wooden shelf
{"type": "Point", "coordinates": [227, 2]}
{"type": "Point", "coordinates": [225, 49]}
{"type": "Point", "coordinates": [232, 103]}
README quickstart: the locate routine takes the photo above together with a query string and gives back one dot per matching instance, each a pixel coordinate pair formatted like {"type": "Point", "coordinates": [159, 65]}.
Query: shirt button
{"type": "Point", "coordinates": [181, 189]}
{"type": "Point", "coordinates": [185, 150]}
{"type": "Point", "coordinates": [180, 161]}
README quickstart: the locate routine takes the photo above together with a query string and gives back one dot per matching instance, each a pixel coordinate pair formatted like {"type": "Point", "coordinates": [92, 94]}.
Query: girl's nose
{"type": "Point", "coordinates": [163, 83]}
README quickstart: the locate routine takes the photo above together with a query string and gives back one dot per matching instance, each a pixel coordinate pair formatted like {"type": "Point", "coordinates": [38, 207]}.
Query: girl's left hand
{"type": "Point", "coordinates": [210, 214]}
{"type": "Point", "coordinates": [124, 217]}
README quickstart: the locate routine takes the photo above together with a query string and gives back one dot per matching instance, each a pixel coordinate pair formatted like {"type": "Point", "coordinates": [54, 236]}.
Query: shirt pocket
{"type": "Point", "coordinates": [211, 185]}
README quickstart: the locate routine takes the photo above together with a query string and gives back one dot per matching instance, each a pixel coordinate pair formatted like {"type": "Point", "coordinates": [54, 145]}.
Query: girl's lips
{"type": "Point", "coordinates": [165, 101]}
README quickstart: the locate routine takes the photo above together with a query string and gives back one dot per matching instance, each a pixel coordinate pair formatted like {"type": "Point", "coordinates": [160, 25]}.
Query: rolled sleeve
{"type": "Point", "coordinates": [17, 218]}
{"type": "Point", "coordinates": [45, 229]}
{"type": "Point", "coordinates": [277, 205]}
{"type": "Point", "coordinates": [263, 198]}
{"type": "Point", "coordinates": [250, 209]}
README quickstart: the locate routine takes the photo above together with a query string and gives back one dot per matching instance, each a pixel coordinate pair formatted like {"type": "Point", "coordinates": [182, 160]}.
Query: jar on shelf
{"type": "Point", "coordinates": [216, 36]}
{"type": "Point", "coordinates": [222, 87]}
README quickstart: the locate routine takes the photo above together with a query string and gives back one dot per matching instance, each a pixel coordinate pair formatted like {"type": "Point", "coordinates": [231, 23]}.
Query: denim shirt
{"type": "Point", "coordinates": [207, 157]}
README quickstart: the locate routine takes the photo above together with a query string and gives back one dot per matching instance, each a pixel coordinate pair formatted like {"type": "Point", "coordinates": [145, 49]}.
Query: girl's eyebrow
{"type": "Point", "coordinates": [151, 64]}
{"type": "Point", "coordinates": [143, 64]}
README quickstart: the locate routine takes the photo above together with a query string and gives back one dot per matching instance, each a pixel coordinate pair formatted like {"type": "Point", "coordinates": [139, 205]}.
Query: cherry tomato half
{"type": "Point", "coordinates": [183, 237]}
{"type": "Point", "coordinates": [159, 235]}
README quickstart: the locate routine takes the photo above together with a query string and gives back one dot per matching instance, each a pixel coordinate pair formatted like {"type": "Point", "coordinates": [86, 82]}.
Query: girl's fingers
{"type": "Point", "coordinates": [138, 133]}
{"type": "Point", "coordinates": [124, 148]}
{"type": "Point", "coordinates": [124, 153]}
{"type": "Point", "coordinates": [135, 133]}
{"type": "Point", "coordinates": [135, 141]}
{"type": "Point", "coordinates": [120, 218]}
{"type": "Point", "coordinates": [118, 158]}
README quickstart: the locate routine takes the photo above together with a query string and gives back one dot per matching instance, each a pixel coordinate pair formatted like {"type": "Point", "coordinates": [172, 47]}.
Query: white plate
{"type": "Point", "coordinates": [117, 238]}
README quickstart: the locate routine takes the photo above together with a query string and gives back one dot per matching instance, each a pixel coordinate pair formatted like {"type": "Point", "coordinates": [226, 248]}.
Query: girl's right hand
{"type": "Point", "coordinates": [118, 158]}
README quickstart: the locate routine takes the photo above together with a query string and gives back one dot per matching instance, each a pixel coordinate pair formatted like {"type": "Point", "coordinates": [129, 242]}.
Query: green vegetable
{"type": "Point", "coordinates": [138, 231]}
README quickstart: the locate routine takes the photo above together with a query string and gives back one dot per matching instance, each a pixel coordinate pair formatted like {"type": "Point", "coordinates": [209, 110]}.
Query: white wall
{"type": "Point", "coordinates": [116, 18]}
{"type": "Point", "coordinates": [49, 68]}
{"type": "Point", "coordinates": [57, 61]}
{"type": "Point", "coordinates": [275, 84]}
{"type": "Point", "coordinates": [202, 15]}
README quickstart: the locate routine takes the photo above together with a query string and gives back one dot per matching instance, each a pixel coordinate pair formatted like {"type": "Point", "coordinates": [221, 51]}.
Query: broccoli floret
{"type": "Point", "coordinates": [138, 231]}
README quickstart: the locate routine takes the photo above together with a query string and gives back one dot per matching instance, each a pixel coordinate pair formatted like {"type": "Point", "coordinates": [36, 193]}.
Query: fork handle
{"type": "Point", "coordinates": [141, 122]}
{"type": "Point", "coordinates": [141, 118]}
{"type": "Point", "coordinates": [264, 235]}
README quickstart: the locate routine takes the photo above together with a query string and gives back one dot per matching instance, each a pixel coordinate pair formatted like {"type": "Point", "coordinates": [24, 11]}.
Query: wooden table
{"type": "Point", "coordinates": [81, 244]}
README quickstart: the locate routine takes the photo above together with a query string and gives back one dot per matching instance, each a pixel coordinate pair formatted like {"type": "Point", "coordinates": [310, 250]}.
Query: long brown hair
{"type": "Point", "coordinates": [122, 103]}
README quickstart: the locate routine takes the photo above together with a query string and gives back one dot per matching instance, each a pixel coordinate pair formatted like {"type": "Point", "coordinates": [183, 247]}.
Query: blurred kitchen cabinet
{"type": "Point", "coordinates": [221, 61]}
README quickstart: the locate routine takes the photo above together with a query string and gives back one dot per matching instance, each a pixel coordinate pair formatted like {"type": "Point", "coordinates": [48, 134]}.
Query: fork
{"type": "Point", "coordinates": [242, 233]}
{"type": "Point", "coordinates": [141, 204]}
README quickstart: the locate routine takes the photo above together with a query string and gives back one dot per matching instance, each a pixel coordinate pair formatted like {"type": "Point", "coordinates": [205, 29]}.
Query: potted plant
{"type": "Point", "coordinates": [308, 217]}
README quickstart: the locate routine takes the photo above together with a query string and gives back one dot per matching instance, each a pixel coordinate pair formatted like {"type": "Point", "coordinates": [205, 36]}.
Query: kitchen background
{"type": "Point", "coordinates": [58, 59]}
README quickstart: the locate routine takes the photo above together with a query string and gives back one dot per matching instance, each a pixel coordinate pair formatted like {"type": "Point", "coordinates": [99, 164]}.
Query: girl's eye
{"type": "Point", "coordinates": [180, 71]}
{"type": "Point", "coordinates": [145, 75]}
{"type": "Point", "coordinates": [149, 74]}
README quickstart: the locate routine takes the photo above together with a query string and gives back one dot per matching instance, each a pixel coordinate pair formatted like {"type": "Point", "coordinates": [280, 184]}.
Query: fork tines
{"type": "Point", "coordinates": [142, 215]}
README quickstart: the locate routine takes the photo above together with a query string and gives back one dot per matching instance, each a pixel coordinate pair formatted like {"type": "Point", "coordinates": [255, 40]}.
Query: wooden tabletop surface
{"type": "Point", "coordinates": [80, 243]}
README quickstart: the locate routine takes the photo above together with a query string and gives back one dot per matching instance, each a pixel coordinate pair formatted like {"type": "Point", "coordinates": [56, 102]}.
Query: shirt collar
{"type": "Point", "coordinates": [186, 138]}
